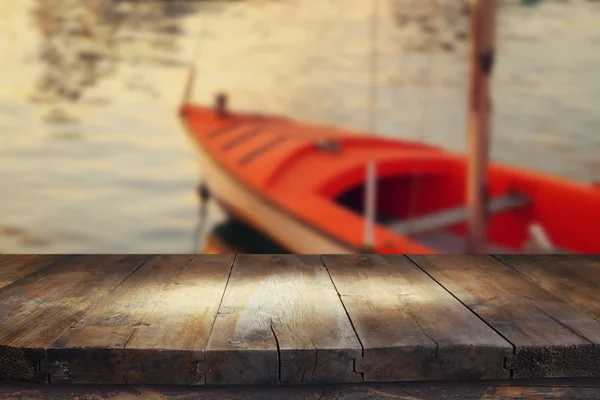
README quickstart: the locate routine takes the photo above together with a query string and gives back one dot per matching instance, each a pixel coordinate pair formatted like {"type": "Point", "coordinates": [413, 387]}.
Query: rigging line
{"type": "Point", "coordinates": [193, 62]}
{"type": "Point", "coordinates": [197, 47]}
{"type": "Point", "coordinates": [416, 178]}
{"type": "Point", "coordinates": [372, 108]}
{"type": "Point", "coordinates": [370, 185]}
{"type": "Point", "coordinates": [200, 230]}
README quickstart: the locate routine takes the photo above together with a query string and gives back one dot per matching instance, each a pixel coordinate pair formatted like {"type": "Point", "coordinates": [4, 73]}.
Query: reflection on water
{"type": "Point", "coordinates": [92, 156]}
{"type": "Point", "coordinates": [83, 42]}
{"type": "Point", "coordinates": [232, 236]}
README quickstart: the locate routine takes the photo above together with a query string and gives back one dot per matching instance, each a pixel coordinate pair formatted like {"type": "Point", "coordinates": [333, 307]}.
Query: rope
{"type": "Point", "coordinates": [415, 184]}
{"type": "Point", "coordinates": [193, 62]}
{"type": "Point", "coordinates": [370, 186]}
{"type": "Point", "coordinates": [204, 197]}
{"type": "Point", "coordinates": [202, 190]}
{"type": "Point", "coordinates": [197, 47]}
{"type": "Point", "coordinates": [372, 106]}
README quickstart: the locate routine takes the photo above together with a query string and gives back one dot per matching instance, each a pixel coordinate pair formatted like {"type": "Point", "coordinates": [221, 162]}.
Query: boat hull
{"type": "Point", "coordinates": [302, 185]}
{"type": "Point", "coordinates": [244, 204]}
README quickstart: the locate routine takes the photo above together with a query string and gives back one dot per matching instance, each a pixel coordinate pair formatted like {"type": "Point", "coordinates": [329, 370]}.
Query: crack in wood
{"type": "Point", "coordinates": [221, 301]}
{"type": "Point", "coordinates": [362, 347]}
{"type": "Point", "coordinates": [320, 395]}
{"type": "Point", "coordinates": [312, 375]}
{"type": "Point", "coordinates": [200, 378]}
{"type": "Point", "coordinates": [508, 363]}
{"type": "Point", "coordinates": [128, 340]}
{"type": "Point", "coordinates": [528, 359]}
{"type": "Point", "coordinates": [235, 368]}
{"type": "Point", "coordinates": [278, 351]}
{"type": "Point", "coordinates": [416, 321]}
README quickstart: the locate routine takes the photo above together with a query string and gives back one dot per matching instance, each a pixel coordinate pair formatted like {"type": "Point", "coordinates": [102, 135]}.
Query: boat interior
{"type": "Point", "coordinates": [430, 209]}
{"type": "Point", "coordinates": [408, 207]}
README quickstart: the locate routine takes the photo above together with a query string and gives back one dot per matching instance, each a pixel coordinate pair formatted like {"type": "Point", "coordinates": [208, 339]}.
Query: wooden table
{"type": "Point", "coordinates": [581, 389]}
{"type": "Point", "coordinates": [297, 319]}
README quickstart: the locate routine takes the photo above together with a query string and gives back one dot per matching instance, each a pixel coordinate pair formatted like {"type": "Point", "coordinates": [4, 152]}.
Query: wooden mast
{"type": "Point", "coordinates": [370, 206]}
{"type": "Point", "coordinates": [482, 33]}
{"type": "Point", "coordinates": [189, 86]}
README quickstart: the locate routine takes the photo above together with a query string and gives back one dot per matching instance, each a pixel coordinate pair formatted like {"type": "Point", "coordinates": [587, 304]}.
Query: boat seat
{"type": "Point", "coordinates": [446, 218]}
{"type": "Point", "coordinates": [452, 243]}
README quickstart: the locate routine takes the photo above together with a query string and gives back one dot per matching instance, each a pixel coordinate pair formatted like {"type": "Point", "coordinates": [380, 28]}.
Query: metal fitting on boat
{"type": "Point", "coordinates": [221, 104]}
{"type": "Point", "coordinates": [203, 192]}
{"type": "Point", "coordinates": [328, 145]}
{"type": "Point", "coordinates": [486, 62]}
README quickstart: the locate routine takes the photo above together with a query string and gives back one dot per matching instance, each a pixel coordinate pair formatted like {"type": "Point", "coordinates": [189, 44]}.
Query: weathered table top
{"type": "Point", "coordinates": [297, 319]}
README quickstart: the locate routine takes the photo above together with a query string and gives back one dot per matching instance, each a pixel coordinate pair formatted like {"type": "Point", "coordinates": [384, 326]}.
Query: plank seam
{"type": "Point", "coordinates": [497, 258]}
{"type": "Point", "coordinates": [500, 259]}
{"type": "Point", "coordinates": [507, 362]}
{"type": "Point", "coordinates": [552, 294]}
{"type": "Point", "coordinates": [89, 310]}
{"type": "Point", "coordinates": [565, 326]}
{"type": "Point", "coordinates": [198, 369]}
{"type": "Point", "coordinates": [362, 348]}
{"type": "Point", "coordinates": [221, 301]}
{"type": "Point", "coordinates": [120, 283]}
{"type": "Point", "coordinates": [61, 257]}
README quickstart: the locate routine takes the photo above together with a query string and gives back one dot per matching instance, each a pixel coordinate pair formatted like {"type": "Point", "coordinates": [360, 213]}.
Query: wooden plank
{"type": "Point", "coordinates": [281, 321]}
{"type": "Point", "coordinates": [151, 330]}
{"type": "Point", "coordinates": [410, 327]}
{"type": "Point", "coordinates": [15, 267]}
{"type": "Point", "coordinates": [412, 391]}
{"type": "Point", "coordinates": [40, 307]}
{"type": "Point", "coordinates": [551, 337]}
{"type": "Point", "coordinates": [573, 278]}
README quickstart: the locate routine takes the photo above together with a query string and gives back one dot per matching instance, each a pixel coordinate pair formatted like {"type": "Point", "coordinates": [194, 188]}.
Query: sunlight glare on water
{"type": "Point", "coordinates": [92, 155]}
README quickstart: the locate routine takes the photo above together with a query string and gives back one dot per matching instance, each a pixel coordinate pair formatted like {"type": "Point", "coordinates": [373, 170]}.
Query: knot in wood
{"type": "Point", "coordinates": [486, 62]}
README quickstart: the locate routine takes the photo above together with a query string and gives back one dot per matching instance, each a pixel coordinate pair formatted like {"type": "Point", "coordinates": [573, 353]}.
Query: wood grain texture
{"type": "Point", "coordinates": [573, 278]}
{"type": "Point", "coordinates": [409, 326]}
{"type": "Point", "coordinates": [40, 307]}
{"type": "Point", "coordinates": [281, 321]}
{"type": "Point", "coordinates": [151, 330]}
{"type": "Point", "coordinates": [423, 391]}
{"type": "Point", "coordinates": [15, 267]}
{"type": "Point", "coordinates": [551, 337]}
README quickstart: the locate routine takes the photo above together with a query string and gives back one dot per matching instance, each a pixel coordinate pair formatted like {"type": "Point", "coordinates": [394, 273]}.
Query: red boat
{"type": "Point", "coordinates": [315, 189]}
{"type": "Point", "coordinates": [303, 186]}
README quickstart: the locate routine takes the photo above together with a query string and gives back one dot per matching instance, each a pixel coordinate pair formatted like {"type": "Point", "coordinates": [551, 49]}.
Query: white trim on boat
{"type": "Point", "coordinates": [289, 232]}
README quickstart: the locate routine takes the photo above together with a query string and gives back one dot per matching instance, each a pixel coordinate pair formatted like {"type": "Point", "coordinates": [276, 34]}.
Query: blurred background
{"type": "Point", "coordinates": [93, 158]}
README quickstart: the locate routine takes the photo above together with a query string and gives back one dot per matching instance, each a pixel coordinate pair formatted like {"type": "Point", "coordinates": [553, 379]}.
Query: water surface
{"type": "Point", "coordinates": [93, 158]}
